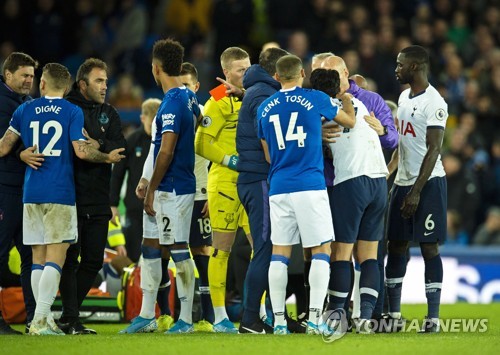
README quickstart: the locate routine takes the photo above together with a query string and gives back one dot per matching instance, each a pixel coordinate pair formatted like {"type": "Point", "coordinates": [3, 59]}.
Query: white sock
{"type": "Point", "coordinates": [319, 276]}
{"type": "Point", "coordinates": [185, 281]}
{"type": "Point", "coordinates": [356, 300]}
{"type": "Point", "coordinates": [220, 314]}
{"type": "Point", "coordinates": [36, 274]}
{"type": "Point", "coordinates": [150, 281]}
{"type": "Point", "coordinates": [278, 279]}
{"type": "Point", "coordinates": [47, 291]}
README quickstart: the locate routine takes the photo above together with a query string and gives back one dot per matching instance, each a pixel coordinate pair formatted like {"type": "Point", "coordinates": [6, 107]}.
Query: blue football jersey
{"type": "Point", "coordinates": [178, 113]}
{"type": "Point", "coordinates": [51, 124]}
{"type": "Point", "coordinates": [290, 122]}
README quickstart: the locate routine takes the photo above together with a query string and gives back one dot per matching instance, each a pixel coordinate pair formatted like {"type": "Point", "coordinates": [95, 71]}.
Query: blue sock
{"type": "Point", "coordinates": [394, 273]}
{"type": "Point", "coordinates": [164, 290]}
{"type": "Point", "coordinates": [340, 284]}
{"type": "Point", "coordinates": [347, 303]}
{"type": "Point", "coordinates": [433, 281]}
{"type": "Point", "coordinates": [379, 306]}
{"type": "Point", "coordinates": [368, 287]}
{"type": "Point", "coordinates": [207, 310]}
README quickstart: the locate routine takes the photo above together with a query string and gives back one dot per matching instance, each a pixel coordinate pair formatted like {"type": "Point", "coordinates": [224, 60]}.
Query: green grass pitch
{"type": "Point", "coordinates": [109, 342]}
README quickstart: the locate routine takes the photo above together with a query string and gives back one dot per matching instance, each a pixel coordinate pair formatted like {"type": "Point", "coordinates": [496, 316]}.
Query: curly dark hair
{"type": "Point", "coordinates": [326, 80]}
{"type": "Point", "coordinates": [170, 54]}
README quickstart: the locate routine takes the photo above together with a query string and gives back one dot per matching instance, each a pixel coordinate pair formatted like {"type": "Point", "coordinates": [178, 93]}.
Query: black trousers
{"type": "Point", "coordinates": [78, 276]}
{"type": "Point", "coordinates": [132, 230]}
{"type": "Point", "coordinates": [11, 231]}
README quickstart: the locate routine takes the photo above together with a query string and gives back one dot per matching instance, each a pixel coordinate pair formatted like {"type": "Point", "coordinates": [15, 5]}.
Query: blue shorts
{"type": "Point", "coordinates": [201, 230]}
{"type": "Point", "coordinates": [358, 208]}
{"type": "Point", "coordinates": [428, 225]}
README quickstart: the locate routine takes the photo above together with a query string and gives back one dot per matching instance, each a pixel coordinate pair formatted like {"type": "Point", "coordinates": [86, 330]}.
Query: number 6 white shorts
{"type": "Point", "coordinates": [173, 218]}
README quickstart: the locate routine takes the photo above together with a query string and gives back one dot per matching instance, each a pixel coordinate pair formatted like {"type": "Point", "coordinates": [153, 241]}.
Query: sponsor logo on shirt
{"type": "Point", "coordinates": [168, 118]}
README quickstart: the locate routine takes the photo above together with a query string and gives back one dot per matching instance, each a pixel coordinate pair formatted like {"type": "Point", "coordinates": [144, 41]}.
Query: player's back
{"type": "Point", "coordinates": [358, 150]}
{"type": "Point", "coordinates": [415, 114]}
{"type": "Point", "coordinates": [51, 124]}
{"type": "Point", "coordinates": [290, 122]}
{"type": "Point", "coordinates": [178, 113]}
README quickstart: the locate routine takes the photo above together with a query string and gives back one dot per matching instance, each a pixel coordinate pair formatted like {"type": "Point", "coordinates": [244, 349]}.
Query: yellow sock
{"type": "Point", "coordinates": [217, 275]}
{"type": "Point", "coordinates": [262, 310]}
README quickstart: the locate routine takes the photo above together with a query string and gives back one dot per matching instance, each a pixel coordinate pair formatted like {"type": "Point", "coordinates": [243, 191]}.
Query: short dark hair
{"type": "Point", "coordinates": [189, 69]}
{"type": "Point", "coordinates": [269, 57]}
{"type": "Point", "coordinates": [16, 60]}
{"type": "Point", "coordinates": [289, 67]}
{"type": "Point", "coordinates": [87, 66]}
{"type": "Point", "coordinates": [170, 54]}
{"type": "Point", "coordinates": [57, 74]}
{"type": "Point", "coordinates": [326, 80]}
{"type": "Point", "coordinates": [415, 53]}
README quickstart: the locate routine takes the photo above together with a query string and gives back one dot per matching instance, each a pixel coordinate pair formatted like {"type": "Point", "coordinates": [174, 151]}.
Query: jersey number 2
{"type": "Point", "coordinates": [299, 136]}
{"type": "Point", "coordinates": [48, 150]}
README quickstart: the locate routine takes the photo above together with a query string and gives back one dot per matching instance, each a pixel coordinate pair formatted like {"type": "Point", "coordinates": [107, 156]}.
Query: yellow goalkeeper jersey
{"type": "Point", "coordinates": [220, 119]}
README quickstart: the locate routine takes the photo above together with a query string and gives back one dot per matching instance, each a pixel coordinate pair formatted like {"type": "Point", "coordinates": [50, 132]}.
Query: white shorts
{"type": "Point", "coordinates": [301, 216]}
{"type": "Point", "coordinates": [172, 222]}
{"type": "Point", "coordinates": [49, 223]}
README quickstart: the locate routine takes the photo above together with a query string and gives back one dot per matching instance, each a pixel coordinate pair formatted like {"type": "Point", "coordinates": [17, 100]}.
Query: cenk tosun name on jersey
{"type": "Point", "coordinates": [289, 99]}
{"type": "Point", "coordinates": [49, 108]}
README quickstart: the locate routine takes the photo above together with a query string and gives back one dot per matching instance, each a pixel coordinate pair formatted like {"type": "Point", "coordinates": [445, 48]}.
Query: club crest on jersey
{"type": "Point", "coordinates": [229, 218]}
{"type": "Point", "coordinates": [206, 121]}
{"type": "Point", "coordinates": [440, 114]}
{"type": "Point", "coordinates": [103, 118]}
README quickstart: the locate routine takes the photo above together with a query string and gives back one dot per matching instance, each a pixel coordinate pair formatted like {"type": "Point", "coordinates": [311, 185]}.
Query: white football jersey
{"type": "Point", "coordinates": [415, 115]}
{"type": "Point", "coordinates": [201, 173]}
{"type": "Point", "coordinates": [357, 151]}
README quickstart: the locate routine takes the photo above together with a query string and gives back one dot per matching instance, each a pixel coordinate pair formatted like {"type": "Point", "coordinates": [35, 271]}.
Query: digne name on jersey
{"type": "Point", "coordinates": [49, 108]}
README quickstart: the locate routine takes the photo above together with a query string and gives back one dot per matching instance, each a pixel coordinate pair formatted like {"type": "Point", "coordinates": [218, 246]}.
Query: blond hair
{"type": "Point", "coordinates": [230, 55]}
{"type": "Point", "coordinates": [150, 106]}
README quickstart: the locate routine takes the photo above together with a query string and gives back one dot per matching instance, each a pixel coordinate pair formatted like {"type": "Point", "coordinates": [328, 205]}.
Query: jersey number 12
{"type": "Point", "coordinates": [48, 150]}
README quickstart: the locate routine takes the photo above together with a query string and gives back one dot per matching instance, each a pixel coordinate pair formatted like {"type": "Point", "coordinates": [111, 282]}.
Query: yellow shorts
{"type": "Point", "coordinates": [226, 210]}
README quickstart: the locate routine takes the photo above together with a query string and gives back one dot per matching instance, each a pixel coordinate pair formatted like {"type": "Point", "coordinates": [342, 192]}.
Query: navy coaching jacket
{"type": "Point", "coordinates": [252, 164]}
{"type": "Point", "coordinates": [92, 180]}
{"type": "Point", "coordinates": [11, 168]}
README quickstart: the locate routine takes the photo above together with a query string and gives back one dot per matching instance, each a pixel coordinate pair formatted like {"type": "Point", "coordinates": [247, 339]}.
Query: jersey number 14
{"type": "Point", "coordinates": [291, 135]}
